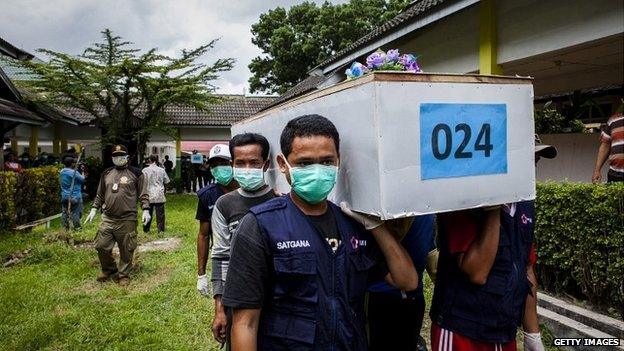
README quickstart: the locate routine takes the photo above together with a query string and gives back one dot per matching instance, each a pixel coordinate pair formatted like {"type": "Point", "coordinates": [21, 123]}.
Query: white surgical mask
{"type": "Point", "coordinates": [120, 161]}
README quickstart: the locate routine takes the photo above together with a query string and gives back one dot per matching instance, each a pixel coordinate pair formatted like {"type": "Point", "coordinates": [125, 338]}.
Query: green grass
{"type": "Point", "coordinates": [51, 301]}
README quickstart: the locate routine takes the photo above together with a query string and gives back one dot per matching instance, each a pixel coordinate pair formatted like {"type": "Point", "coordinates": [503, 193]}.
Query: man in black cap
{"type": "Point", "coordinates": [120, 188]}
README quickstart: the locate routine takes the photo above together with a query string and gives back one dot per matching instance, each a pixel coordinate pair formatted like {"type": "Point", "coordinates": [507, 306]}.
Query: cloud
{"type": "Point", "coordinates": [170, 25]}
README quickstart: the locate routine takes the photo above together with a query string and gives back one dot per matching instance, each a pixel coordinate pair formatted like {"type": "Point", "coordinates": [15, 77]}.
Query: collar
{"type": "Point", "coordinates": [265, 189]}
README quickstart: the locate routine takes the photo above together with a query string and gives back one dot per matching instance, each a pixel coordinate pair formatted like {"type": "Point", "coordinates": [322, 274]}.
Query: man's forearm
{"type": "Point", "coordinates": [402, 271]}
{"type": "Point", "coordinates": [479, 259]}
{"type": "Point", "coordinates": [202, 247]}
{"type": "Point", "coordinates": [530, 322]}
{"type": "Point", "coordinates": [603, 154]}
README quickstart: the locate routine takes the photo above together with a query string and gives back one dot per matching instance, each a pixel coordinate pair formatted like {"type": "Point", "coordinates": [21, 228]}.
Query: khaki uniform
{"type": "Point", "coordinates": [117, 196]}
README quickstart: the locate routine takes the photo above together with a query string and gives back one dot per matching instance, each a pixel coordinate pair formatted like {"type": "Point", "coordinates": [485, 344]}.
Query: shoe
{"type": "Point", "coordinates": [123, 281]}
{"type": "Point", "coordinates": [104, 276]}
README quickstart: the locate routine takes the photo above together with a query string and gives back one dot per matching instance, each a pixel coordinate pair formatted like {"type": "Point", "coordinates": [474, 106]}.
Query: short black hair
{"type": "Point", "coordinates": [250, 139]}
{"type": "Point", "coordinates": [153, 158]}
{"type": "Point", "coordinates": [166, 157]}
{"type": "Point", "coordinates": [68, 161]}
{"type": "Point", "coordinates": [307, 126]}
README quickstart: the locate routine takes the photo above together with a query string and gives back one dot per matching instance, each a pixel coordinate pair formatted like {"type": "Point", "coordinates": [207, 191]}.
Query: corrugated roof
{"type": "Point", "coordinates": [233, 109]}
{"type": "Point", "coordinates": [403, 18]}
{"type": "Point", "coordinates": [12, 111]}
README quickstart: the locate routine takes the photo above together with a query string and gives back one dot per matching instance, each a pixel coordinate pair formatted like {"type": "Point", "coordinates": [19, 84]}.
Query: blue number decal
{"type": "Point", "coordinates": [459, 140]}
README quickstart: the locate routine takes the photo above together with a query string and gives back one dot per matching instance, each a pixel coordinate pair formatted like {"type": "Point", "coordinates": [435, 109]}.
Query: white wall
{"type": "Point", "coordinates": [532, 27]}
{"type": "Point", "coordinates": [575, 159]}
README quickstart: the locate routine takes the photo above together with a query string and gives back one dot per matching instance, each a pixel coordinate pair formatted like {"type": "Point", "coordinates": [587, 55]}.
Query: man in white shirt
{"type": "Point", "coordinates": [156, 178]}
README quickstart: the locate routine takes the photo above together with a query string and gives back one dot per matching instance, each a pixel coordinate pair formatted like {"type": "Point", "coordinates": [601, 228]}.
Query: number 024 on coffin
{"type": "Point", "coordinates": [419, 143]}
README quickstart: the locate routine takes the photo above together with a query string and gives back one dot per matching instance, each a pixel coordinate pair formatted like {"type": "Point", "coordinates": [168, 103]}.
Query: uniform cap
{"type": "Point", "coordinates": [119, 150]}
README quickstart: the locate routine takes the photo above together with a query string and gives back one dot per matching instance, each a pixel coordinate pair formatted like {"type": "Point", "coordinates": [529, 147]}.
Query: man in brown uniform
{"type": "Point", "coordinates": [120, 188]}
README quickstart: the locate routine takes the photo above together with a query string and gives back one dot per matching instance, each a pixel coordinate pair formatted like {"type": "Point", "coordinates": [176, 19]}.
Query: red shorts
{"type": "Point", "coordinates": [446, 340]}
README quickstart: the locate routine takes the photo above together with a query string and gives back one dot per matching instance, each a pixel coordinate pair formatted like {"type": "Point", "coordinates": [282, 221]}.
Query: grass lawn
{"type": "Point", "coordinates": [51, 301]}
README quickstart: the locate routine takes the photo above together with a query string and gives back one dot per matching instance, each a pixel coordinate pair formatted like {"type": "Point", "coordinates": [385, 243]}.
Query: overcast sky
{"type": "Point", "coordinates": [170, 25]}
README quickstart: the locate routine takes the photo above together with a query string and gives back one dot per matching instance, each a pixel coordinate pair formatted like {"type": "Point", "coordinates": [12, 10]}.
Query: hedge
{"type": "Point", "coordinates": [30, 195]}
{"type": "Point", "coordinates": [580, 240]}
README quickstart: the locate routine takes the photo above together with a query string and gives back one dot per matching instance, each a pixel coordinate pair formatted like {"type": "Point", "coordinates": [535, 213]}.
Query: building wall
{"type": "Point", "coordinates": [450, 45]}
{"type": "Point", "coordinates": [533, 27]}
{"type": "Point", "coordinates": [576, 157]}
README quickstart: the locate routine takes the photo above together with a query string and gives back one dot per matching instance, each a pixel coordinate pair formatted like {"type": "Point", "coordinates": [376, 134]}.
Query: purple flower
{"type": "Point", "coordinates": [392, 56]}
{"type": "Point", "coordinates": [409, 63]}
{"type": "Point", "coordinates": [376, 59]}
{"type": "Point", "coordinates": [356, 70]}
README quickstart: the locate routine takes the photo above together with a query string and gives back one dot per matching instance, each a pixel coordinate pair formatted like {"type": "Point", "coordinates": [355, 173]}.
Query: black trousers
{"type": "Point", "coordinates": [394, 323]}
{"type": "Point", "coordinates": [614, 177]}
{"type": "Point", "coordinates": [160, 217]}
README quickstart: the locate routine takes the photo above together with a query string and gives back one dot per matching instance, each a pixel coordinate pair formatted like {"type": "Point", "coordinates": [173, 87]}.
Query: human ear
{"type": "Point", "coordinates": [281, 162]}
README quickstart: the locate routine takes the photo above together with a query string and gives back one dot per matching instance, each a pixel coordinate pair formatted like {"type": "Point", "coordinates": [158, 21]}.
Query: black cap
{"type": "Point", "coordinates": [120, 150]}
{"type": "Point", "coordinates": [544, 150]}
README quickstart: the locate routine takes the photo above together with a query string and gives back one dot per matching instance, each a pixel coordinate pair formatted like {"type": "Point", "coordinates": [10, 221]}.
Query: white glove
{"type": "Point", "coordinates": [369, 222]}
{"type": "Point", "coordinates": [202, 285]}
{"type": "Point", "coordinates": [533, 342]}
{"type": "Point", "coordinates": [146, 217]}
{"type": "Point", "coordinates": [91, 215]}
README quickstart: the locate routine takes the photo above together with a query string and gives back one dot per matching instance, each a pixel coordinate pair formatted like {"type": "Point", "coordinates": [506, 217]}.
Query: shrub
{"type": "Point", "coordinates": [580, 238]}
{"type": "Point", "coordinates": [37, 194]}
{"type": "Point", "coordinates": [8, 182]}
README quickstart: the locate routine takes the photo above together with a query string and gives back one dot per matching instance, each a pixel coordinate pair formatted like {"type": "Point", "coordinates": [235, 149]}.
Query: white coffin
{"type": "Point", "coordinates": [395, 131]}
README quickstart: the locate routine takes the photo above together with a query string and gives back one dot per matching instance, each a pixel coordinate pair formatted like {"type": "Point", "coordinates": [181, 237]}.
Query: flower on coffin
{"type": "Point", "coordinates": [384, 61]}
{"type": "Point", "coordinates": [409, 63]}
{"type": "Point", "coordinates": [376, 59]}
{"type": "Point", "coordinates": [356, 70]}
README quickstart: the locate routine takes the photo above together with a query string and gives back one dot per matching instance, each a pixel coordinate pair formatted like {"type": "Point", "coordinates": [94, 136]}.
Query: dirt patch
{"type": "Point", "coordinates": [15, 258]}
{"type": "Point", "coordinates": [165, 245]}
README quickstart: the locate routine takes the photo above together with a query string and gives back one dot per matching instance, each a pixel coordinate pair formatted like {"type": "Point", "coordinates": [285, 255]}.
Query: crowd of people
{"type": "Point", "coordinates": [298, 272]}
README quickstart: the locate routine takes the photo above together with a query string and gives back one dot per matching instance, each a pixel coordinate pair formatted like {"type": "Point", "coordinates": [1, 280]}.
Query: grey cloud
{"type": "Point", "coordinates": [72, 25]}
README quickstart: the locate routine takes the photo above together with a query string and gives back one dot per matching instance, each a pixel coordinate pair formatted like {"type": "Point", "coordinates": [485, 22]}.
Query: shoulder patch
{"type": "Point", "coordinates": [276, 203]}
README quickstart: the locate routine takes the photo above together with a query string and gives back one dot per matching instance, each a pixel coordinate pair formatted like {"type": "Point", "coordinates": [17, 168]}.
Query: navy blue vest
{"type": "Point", "coordinates": [316, 301]}
{"type": "Point", "coordinates": [494, 311]}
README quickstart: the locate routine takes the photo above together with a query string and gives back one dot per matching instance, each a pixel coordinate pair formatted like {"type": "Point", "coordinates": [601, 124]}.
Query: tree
{"type": "Point", "coordinates": [126, 91]}
{"type": "Point", "coordinates": [293, 41]}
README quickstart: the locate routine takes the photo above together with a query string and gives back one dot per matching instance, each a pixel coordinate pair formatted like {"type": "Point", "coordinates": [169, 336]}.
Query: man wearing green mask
{"type": "Point", "coordinates": [250, 158]}
{"type": "Point", "coordinates": [220, 163]}
{"type": "Point", "coordinates": [302, 265]}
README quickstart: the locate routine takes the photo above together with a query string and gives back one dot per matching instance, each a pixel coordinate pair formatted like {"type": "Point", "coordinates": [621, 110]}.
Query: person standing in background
{"type": "Point", "coordinates": [156, 179]}
{"type": "Point", "coordinates": [120, 188]}
{"type": "Point", "coordinates": [71, 195]}
{"type": "Point", "coordinates": [612, 149]}
{"type": "Point", "coordinates": [220, 162]}
{"type": "Point", "coordinates": [168, 166]}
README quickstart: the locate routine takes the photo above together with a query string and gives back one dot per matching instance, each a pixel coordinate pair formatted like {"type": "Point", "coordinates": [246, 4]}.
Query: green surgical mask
{"type": "Point", "coordinates": [222, 174]}
{"type": "Point", "coordinates": [314, 182]}
{"type": "Point", "coordinates": [250, 179]}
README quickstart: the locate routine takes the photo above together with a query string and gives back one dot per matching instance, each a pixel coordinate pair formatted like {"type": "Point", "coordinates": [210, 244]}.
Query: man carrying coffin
{"type": "Point", "coordinates": [486, 286]}
{"type": "Point", "coordinates": [299, 266]}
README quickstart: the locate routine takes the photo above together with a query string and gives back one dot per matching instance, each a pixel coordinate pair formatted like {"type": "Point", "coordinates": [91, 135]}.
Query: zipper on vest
{"type": "Point", "coordinates": [333, 301]}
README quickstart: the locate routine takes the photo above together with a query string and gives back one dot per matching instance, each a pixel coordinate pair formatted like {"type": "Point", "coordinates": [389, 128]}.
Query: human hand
{"type": "Point", "coordinates": [202, 284]}
{"type": "Point", "coordinates": [219, 326]}
{"type": "Point", "coordinates": [146, 217]}
{"type": "Point", "coordinates": [91, 216]}
{"type": "Point", "coordinates": [369, 222]}
{"type": "Point", "coordinates": [533, 342]}
{"type": "Point", "coordinates": [596, 177]}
